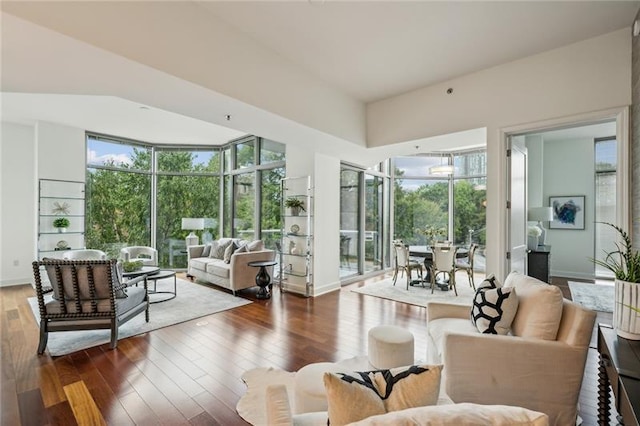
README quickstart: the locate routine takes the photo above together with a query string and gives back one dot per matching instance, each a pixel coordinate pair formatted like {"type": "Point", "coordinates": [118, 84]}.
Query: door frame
{"type": "Point", "coordinates": [623, 174]}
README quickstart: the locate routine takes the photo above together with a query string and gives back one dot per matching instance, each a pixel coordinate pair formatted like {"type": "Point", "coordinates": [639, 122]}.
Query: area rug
{"type": "Point", "coordinates": [252, 405]}
{"type": "Point", "coordinates": [417, 295]}
{"type": "Point", "coordinates": [597, 297]}
{"type": "Point", "coordinates": [193, 301]}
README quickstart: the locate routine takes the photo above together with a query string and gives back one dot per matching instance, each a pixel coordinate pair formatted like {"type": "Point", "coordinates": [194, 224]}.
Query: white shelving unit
{"type": "Point", "coordinates": [296, 237]}
{"type": "Point", "coordinates": [60, 198]}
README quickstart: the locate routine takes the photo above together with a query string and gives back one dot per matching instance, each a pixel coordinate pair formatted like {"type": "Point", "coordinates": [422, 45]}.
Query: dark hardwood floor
{"type": "Point", "coordinates": [190, 373]}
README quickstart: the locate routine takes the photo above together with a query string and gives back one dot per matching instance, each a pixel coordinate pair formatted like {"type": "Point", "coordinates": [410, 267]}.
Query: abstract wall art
{"type": "Point", "coordinates": [568, 212]}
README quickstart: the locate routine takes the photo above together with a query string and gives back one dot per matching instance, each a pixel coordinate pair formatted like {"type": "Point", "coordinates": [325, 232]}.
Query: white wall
{"type": "Point", "coordinates": [45, 151]}
{"type": "Point", "coordinates": [591, 75]}
{"type": "Point", "coordinates": [535, 172]}
{"type": "Point", "coordinates": [17, 218]}
{"type": "Point", "coordinates": [571, 249]}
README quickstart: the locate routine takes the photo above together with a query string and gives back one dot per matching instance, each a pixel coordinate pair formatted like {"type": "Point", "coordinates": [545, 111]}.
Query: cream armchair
{"type": "Point", "coordinates": [541, 374]}
{"type": "Point", "coordinates": [147, 255]}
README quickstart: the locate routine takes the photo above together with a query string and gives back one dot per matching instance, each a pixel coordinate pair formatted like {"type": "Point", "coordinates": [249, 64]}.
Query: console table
{"type": "Point", "coordinates": [619, 368]}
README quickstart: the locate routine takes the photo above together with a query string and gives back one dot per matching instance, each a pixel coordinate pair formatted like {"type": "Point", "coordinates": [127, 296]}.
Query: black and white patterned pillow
{"type": "Point", "coordinates": [494, 307]}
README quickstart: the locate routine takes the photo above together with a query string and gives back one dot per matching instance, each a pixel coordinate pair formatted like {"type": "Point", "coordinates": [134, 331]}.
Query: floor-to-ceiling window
{"type": "Point", "coordinates": [118, 198]}
{"type": "Point", "coordinates": [441, 197]}
{"type": "Point", "coordinates": [364, 219]}
{"type": "Point", "coordinates": [187, 186]}
{"type": "Point", "coordinates": [605, 200]}
{"type": "Point", "coordinates": [137, 193]}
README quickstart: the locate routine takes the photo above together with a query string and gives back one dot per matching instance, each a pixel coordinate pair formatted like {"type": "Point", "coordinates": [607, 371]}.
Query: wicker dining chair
{"type": "Point", "coordinates": [466, 264]}
{"type": "Point", "coordinates": [405, 264]}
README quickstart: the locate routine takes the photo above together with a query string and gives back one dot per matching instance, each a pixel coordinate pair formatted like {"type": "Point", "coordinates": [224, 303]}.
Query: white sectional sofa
{"type": "Point", "coordinates": [235, 275]}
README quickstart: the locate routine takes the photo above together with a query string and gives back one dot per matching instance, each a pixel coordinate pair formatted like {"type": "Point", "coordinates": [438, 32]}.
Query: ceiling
{"type": "Point", "coordinates": [367, 50]}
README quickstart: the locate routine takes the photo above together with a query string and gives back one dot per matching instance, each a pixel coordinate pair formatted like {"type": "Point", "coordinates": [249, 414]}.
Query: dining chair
{"type": "Point", "coordinates": [444, 262]}
{"type": "Point", "coordinates": [466, 264]}
{"type": "Point", "coordinates": [405, 264]}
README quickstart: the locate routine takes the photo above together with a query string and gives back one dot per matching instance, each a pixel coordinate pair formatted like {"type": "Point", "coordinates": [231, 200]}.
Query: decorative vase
{"type": "Point", "coordinates": [626, 321]}
{"type": "Point", "coordinates": [295, 211]}
{"type": "Point", "coordinates": [532, 242]}
{"type": "Point", "coordinates": [62, 230]}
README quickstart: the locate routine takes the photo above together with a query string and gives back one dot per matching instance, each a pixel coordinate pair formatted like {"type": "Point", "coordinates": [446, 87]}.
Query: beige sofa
{"type": "Point", "coordinates": [522, 368]}
{"type": "Point", "coordinates": [279, 413]}
{"type": "Point", "coordinates": [235, 275]}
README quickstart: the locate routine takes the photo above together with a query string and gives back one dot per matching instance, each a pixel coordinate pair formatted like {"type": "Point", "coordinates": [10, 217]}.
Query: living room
{"type": "Point", "coordinates": [576, 85]}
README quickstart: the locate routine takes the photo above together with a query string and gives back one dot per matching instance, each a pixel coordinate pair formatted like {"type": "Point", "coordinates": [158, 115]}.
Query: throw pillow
{"type": "Point", "coordinates": [256, 245]}
{"type": "Point", "coordinates": [231, 248]}
{"type": "Point", "coordinates": [242, 249]}
{"type": "Point", "coordinates": [355, 396]}
{"type": "Point", "coordinates": [539, 307]}
{"type": "Point", "coordinates": [214, 249]}
{"type": "Point", "coordinates": [494, 308]}
{"type": "Point", "coordinates": [222, 246]}
{"type": "Point", "coordinates": [206, 250]}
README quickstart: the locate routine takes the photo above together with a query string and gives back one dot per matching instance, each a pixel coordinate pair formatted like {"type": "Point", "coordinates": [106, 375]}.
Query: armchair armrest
{"type": "Point", "coordinates": [437, 310]}
{"type": "Point", "coordinates": [278, 407]}
{"type": "Point", "coordinates": [194, 251]}
{"type": "Point", "coordinates": [537, 374]}
{"type": "Point", "coordinates": [242, 275]}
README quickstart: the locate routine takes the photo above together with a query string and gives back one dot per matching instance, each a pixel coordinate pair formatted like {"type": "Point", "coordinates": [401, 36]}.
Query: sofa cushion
{"type": "Point", "coordinates": [462, 414]}
{"type": "Point", "coordinates": [218, 268]}
{"type": "Point", "coordinates": [206, 250]}
{"type": "Point", "coordinates": [494, 308]}
{"type": "Point", "coordinates": [539, 307]}
{"type": "Point", "coordinates": [200, 263]}
{"type": "Point", "coordinates": [355, 396]}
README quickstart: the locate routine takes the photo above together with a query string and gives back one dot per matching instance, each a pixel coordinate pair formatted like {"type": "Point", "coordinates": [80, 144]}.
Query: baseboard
{"type": "Point", "coordinates": [14, 282]}
{"type": "Point", "coordinates": [324, 289]}
{"type": "Point", "coordinates": [572, 274]}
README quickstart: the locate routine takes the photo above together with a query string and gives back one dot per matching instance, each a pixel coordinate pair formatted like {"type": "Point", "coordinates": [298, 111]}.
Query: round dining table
{"type": "Point", "coordinates": [426, 253]}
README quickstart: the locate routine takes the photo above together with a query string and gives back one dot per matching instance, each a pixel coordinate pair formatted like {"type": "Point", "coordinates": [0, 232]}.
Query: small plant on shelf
{"type": "Point", "coordinates": [62, 223]}
{"type": "Point", "coordinates": [295, 204]}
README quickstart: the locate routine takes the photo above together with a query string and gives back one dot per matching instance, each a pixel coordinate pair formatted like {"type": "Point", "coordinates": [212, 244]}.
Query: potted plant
{"type": "Point", "coordinates": [533, 236]}
{"type": "Point", "coordinates": [295, 204]}
{"type": "Point", "coordinates": [62, 223]}
{"type": "Point", "coordinates": [432, 234]}
{"type": "Point", "coordinates": [624, 262]}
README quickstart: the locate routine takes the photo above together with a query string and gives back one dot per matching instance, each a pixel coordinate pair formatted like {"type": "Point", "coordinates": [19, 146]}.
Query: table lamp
{"type": "Point", "coordinates": [192, 224]}
{"type": "Point", "coordinates": [540, 214]}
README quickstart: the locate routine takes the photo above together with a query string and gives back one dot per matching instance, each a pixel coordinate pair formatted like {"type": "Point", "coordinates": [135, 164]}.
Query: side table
{"type": "Point", "coordinates": [263, 279]}
{"type": "Point", "coordinates": [161, 275]}
{"type": "Point", "coordinates": [619, 368]}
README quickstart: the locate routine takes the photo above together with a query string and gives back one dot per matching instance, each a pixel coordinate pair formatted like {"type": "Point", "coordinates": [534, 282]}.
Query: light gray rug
{"type": "Point", "coordinates": [598, 297]}
{"type": "Point", "coordinates": [193, 301]}
{"type": "Point", "coordinates": [417, 295]}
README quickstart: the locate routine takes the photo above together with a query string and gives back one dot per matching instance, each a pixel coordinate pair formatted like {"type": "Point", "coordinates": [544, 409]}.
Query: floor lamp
{"type": "Point", "coordinates": [192, 224]}
{"type": "Point", "coordinates": [540, 214]}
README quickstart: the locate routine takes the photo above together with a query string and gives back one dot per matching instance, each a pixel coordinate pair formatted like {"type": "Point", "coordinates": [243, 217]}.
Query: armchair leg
{"type": "Point", "coordinates": [44, 337]}
{"type": "Point", "coordinates": [114, 333]}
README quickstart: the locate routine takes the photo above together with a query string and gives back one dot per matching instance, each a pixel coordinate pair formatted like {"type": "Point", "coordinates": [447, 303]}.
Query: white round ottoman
{"type": "Point", "coordinates": [390, 347]}
{"type": "Point", "coordinates": [310, 395]}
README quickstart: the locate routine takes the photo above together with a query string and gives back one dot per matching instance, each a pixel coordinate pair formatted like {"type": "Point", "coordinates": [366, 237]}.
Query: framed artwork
{"type": "Point", "coordinates": [568, 212]}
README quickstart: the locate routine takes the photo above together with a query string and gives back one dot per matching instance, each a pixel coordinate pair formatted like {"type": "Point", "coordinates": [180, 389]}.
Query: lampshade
{"type": "Point", "coordinates": [191, 223]}
{"type": "Point", "coordinates": [540, 214]}
{"type": "Point", "coordinates": [209, 222]}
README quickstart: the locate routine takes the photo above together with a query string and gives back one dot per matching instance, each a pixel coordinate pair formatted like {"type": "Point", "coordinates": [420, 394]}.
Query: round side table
{"type": "Point", "coordinates": [263, 279]}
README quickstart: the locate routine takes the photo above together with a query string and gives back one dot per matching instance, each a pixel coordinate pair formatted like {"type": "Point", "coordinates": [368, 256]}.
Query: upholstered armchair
{"type": "Point", "coordinates": [539, 365]}
{"type": "Point", "coordinates": [85, 295]}
{"type": "Point", "coordinates": [147, 255]}
{"type": "Point", "coordinates": [86, 254]}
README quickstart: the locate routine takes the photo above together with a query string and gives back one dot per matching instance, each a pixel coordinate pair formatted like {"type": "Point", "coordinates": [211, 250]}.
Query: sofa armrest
{"type": "Point", "coordinates": [242, 275]}
{"type": "Point", "coordinates": [437, 310]}
{"type": "Point", "coordinates": [194, 251]}
{"type": "Point", "coordinates": [537, 374]}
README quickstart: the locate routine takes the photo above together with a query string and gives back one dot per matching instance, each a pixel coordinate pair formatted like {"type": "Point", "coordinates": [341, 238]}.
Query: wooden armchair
{"type": "Point", "coordinates": [86, 295]}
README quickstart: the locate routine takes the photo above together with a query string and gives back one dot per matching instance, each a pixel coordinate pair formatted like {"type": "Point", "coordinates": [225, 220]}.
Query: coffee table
{"type": "Point", "coordinates": [263, 279]}
{"type": "Point", "coordinates": [159, 275]}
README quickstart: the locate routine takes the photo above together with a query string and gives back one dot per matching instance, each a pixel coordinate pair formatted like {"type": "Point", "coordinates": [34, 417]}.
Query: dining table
{"type": "Point", "coordinates": [426, 253]}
